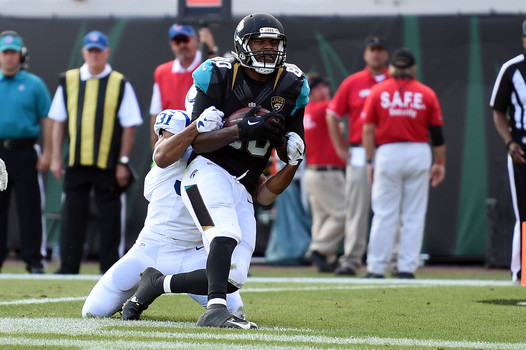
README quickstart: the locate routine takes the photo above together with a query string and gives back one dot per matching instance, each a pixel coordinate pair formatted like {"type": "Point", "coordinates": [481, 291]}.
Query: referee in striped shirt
{"type": "Point", "coordinates": [509, 95]}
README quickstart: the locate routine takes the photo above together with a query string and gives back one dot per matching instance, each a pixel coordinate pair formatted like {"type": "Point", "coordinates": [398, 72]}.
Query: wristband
{"type": "Point", "coordinates": [369, 161]}
{"type": "Point", "coordinates": [440, 162]}
{"type": "Point", "coordinates": [508, 144]}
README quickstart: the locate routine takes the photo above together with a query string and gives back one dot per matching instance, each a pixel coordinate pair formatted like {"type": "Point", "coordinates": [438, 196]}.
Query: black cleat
{"type": "Point", "coordinates": [132, 309]}
{"type": "Point", "coordinates": [150, 287]}
{"type": "Point", "coordinates": [218, 316]}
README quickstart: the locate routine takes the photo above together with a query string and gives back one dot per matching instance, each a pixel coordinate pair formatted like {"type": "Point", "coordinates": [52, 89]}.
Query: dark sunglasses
{"type": "Point", "coordinates": [181, 39]}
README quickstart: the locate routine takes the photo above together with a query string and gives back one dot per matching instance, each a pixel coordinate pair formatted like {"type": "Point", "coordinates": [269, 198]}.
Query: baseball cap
{"type": "Point", "coordinates": [375, 41]}
{"type": "Point", "coordinates": [179, 29]}
{"type": "Point", "coordinates": [524, 28]}
{"type": "Point", "coordinates": [95, 40]}
{"type": "Point", "coordinates": [11, 42]}
{"type": "Point", "coordinates": [403, 58]}
{"type": "Point", "coordinates": [315, 79]}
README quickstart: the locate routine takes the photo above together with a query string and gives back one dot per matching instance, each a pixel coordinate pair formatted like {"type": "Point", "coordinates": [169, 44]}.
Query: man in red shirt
{"type": "Point", "coordinates": [324, 179]}
{"type": "Point", "coordinates": [173, 78]}
{"type": "Point", "coordinates": [399, 116]}
{"type": "Point", "coordinates": [349, 100]}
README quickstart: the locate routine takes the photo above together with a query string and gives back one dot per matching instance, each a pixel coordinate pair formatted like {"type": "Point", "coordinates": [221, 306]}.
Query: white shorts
{"type": "Point", "coordinates": [221, 207]}
{"type": "Point", "coordinates": [121, 280]}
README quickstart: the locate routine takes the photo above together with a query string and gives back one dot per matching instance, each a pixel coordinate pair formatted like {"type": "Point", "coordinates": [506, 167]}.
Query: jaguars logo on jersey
{"type": "Point", "coordinates": [277, 103]}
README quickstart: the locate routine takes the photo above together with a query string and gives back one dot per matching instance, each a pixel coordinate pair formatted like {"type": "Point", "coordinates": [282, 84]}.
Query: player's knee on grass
{"type": "Point", "coordinates": [127, 276]}
{"type": "Point", "coordinates": [95, 310]}
{"type": "Point", "coordinates": [103, 303]}
{"type": "Point", "coordinates": [117, 285]}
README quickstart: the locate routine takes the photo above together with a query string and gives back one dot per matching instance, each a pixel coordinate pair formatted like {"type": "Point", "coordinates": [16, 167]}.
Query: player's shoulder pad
{"type": "Point", "coordinates": [172, 120]}
{"type": "Point", "coordinates": [296, 77]}
{"type": "Point", "coordinates": [212, 70]}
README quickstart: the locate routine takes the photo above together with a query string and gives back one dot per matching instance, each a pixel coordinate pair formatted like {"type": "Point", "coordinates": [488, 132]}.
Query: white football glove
{"type": "Point", "coordinates": [3, 176]}
{"type": "Point", "coordinates": [211, 119]}
{"type": "Point", "coordinates": [295, 148]}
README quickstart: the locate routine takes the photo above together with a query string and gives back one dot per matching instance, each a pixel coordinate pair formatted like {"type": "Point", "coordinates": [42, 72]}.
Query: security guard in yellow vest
{"type": "Point", "coordinates": [96, 107]}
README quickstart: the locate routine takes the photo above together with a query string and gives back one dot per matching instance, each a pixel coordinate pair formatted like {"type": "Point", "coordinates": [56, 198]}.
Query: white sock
{"type": "Point", "coordinates": [216, 301]}
{"type": "Point", "coordinates": [166, 283]}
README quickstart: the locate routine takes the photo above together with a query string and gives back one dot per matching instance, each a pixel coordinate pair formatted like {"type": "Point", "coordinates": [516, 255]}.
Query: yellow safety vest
{"type": "Point", "coordinates": [93, 126]}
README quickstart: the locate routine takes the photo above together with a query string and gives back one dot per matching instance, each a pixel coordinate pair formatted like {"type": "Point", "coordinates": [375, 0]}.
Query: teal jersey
{"type": "Point", "coordinates": [24, 101]}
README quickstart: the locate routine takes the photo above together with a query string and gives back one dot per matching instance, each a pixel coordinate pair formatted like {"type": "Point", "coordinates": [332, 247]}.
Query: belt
{"type": "Point", "coordinates": [325, 167]}
{"type": "Point", "coordinates": [17, 143]}
{"type": "Point", "coordinates": [355, 145]}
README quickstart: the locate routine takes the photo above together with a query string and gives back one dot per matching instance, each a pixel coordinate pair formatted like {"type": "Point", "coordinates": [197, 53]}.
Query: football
{"type": "Point", "coordinates": [238, 115]}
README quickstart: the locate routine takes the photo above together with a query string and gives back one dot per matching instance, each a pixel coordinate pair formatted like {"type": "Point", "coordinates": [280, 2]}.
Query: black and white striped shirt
{"type": "Point", "coordinates": [509, 94]}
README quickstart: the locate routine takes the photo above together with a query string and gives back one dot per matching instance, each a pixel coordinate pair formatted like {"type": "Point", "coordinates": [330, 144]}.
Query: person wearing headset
{"type": "Point", "coordinates": [24, 106]}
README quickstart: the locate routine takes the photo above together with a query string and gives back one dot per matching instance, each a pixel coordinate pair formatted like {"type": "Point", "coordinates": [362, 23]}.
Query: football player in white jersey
{"type": "Point", "coordinates": [169, 241]}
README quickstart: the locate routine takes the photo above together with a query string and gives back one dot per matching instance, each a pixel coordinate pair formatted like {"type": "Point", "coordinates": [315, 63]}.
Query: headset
{"type": "Point", "coordinates": [24, 52]}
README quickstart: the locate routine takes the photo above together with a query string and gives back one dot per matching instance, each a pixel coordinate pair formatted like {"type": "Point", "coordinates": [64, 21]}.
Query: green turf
{"type": "Point", "coordinates": [315, 311]}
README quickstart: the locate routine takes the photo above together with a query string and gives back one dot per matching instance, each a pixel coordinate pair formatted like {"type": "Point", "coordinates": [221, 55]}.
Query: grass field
{"type": "Point", "coordinates": [295, 308]}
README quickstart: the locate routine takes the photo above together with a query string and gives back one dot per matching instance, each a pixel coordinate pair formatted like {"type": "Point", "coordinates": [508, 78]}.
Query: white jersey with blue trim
{"type": "Point", "coordinates": [167, 216]}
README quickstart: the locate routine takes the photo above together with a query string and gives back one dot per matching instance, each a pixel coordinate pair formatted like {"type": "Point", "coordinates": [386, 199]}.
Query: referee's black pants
{"type": "Point", "coordinates": [78, 183]}
{"type": "Point", "coordinates": [26, 182]}
{"type": "Point", "coordinates": [518, 193]}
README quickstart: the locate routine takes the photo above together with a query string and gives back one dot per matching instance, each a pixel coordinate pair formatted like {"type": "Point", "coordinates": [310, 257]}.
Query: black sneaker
{"type": "Point", "coordinates": [35, 269]}
{"type": "Point", "coordinates": [344, 271]}
{"type": "Point", "coordinates": [150, 287]}
{"type": "Point", "coordinates": [217, 315]}
{"type": "Point", "coordinates": [319, 260]}
{"type": "Point", "coordinates": [372, 275]}
{"type": "Point", "coordinates": [406, 275]}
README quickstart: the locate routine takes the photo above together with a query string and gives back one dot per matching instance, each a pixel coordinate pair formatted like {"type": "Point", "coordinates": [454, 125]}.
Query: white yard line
{"type": "Point", "coordinates": [175, 335]}
{"type": "Point", "coordinates": [309, 280]}
{"type": "Point", "coordinates": [40, 301]}
{"type": "Point", "coordinates": [243, 291]}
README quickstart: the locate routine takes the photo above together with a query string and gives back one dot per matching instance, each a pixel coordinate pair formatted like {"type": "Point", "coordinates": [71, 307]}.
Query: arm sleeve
{"type": "Point", "coordinates": [436, 134]}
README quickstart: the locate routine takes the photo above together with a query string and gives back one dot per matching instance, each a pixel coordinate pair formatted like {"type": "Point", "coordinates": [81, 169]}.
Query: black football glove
{"type": "Point", "coordinates": [259, 127]}
{"type": "Point", "coordinates": [277, 139]}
